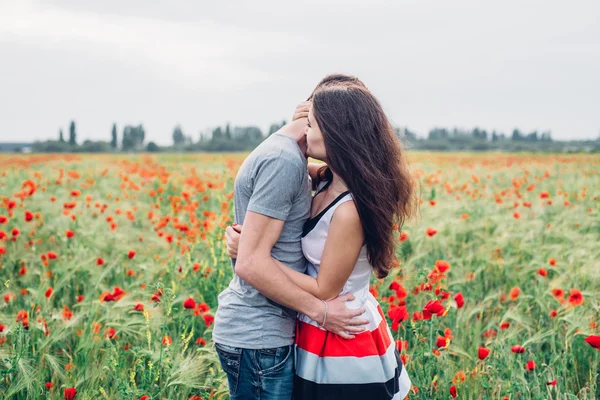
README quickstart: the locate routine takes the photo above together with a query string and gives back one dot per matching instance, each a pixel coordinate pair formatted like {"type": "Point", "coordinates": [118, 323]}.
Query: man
{"type": "Point", "coordinates": [255, 320]}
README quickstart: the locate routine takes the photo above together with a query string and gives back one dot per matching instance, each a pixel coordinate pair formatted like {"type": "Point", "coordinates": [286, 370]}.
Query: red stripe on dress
{"type": "Point", "coordinates": [326, 344]}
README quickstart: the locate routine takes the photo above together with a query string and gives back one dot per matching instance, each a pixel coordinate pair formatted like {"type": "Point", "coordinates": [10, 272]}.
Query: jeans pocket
{"type": "Point", "coordinates": [271, 361]}
{"type": "Point", "coordinates": [230, 358]}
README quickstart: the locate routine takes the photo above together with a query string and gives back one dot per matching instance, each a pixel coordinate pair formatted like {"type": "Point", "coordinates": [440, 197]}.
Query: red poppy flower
{"type": "Point", "coordinates": [203, 307]}
{"type": "Point", "coordinates": [552, 261]}
{"type": "Point", "coordinates": [70, 233]}
{"type": "Point", "coordinates": [156, 297]}
{"type": "Point", "coordinates": [52, 255]}
{"type": "Point", "coordinates": [431, 232]}
{"type": "Point", "coordinates": [402, 345]}
{"type": "Point", "coordinates": [490, 333]}
{"type": "Point", "coordinates": [517, 349]}
{"type": "Point", "coordinates": [2, 327]}
{"type": "Point", "coordinates": [552, 383]}
{"type": "Point", "coordinates": [558, 293]}
{"type": "Point", "coordinates": [433, 307]}
{"type": "Point", "coordinates": [553, 313]}
{"type": "Point", "coordinates": [99, 261]}
{"type": "Point", "coordinates": [544, 195]}
{"type": "Point", "coordinates": [190, 304]}
{"type": "Point", "coordinates": [403, 237]}
{"type": "Point", "coordinates": [442, 266]}
{"type": "Point", "coordinates": [3, 219]}
{"type": "Point", "coordinates": [201, 341]}
{"type": "Point", "coordinates": [530, 365]}
{"type": "Point", "coordinates": [453, 392]}
{"type": "Point", "coordinates": [516, 215]}
{"type": "Point", "coordinates": [49, 292]}
{"type": "Point", "coordinates": [49, 385]}
{"type": "Point", "coordinates": [131, 254]}
{"type": "Point", "coordinates": [400, 290]}
{"type": "Point", "coordinates": [118, 293]}
{"type": "Point", "coordinates": [70, 393]}
{"type": "Point", "coordinates": [543, 272]}
{"type": "Point", "coordinates": [139, 307]}
{"type": "Point", "coordinates": [593, 341]}
{"type": "Point", "coordinates": [482, 353]}
{"type": "Point", "coordinates": [460, 300]}
{"type": "Point", "coordinates": [110, 333]}
{"type": "Point", "coordinates": [166, 340]}
{"type": "Point", "coordinates": [144, 398]}
{"type": "Point", "coordinates": [514, 293]}
{"type": "Point", "coordinates": [442, 341]}
{"type": "Point", "coordinates": [106, 296]}
{"type": "Point", "coordinates": [576, 298]}
{"type": "Point", "coordinates": [208, 320]}
{"type": "Point", "coordinates": [28, 216]}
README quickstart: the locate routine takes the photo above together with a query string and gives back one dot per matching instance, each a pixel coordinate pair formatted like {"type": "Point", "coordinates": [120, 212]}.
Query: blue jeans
{"type": "Point", "coordinates": [258, 374]}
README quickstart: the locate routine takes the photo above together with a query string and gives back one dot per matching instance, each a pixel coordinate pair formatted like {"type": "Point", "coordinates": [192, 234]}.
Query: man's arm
{"type": "Point", "coordinates": [255, 265]}
{"type": "Point", "coordinates": [342, 248]}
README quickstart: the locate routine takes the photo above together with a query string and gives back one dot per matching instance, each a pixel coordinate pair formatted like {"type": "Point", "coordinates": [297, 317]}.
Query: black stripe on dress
{"type": "Point", "coordinates": [311, 223]}
{"type": "Point", "coordinates": [305, 390]}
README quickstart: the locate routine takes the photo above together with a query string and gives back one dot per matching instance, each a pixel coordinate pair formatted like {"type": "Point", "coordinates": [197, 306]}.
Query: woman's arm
{"type": "Point", "coordinates": [344, 242]}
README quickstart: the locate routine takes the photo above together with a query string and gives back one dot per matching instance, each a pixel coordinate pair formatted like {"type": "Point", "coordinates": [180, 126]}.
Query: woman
{"type": "Point", "coordinates": [362, 193]}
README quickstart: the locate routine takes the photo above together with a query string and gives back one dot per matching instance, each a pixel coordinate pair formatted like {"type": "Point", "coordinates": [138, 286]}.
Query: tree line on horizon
{"type": "Point", "coordinates": [246, 138]}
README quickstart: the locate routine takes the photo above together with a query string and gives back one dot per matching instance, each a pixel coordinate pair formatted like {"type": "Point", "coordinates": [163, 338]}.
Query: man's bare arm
{"type": "Point", "coordinates": [255, 265]}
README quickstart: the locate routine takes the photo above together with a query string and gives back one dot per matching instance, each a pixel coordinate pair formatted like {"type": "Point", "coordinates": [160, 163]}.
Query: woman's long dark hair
{"type": "Point", "coordinates": [364, 151]}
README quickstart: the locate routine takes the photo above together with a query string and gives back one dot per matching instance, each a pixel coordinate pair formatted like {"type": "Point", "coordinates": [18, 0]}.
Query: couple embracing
{"type": "Point", "coordinates": [298, 320]}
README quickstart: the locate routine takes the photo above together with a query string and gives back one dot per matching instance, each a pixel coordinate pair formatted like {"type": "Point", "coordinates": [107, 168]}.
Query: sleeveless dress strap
{"type": "Point", "coordinates": [322, 186]}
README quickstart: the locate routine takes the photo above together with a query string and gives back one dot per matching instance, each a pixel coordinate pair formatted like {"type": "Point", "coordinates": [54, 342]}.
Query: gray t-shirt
{"type": "Point", "coordinates": [272, 181]}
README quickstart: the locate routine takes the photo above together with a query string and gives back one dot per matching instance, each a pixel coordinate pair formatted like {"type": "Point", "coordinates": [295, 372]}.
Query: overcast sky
{"type": "Point", "coordinates": [534, 65]}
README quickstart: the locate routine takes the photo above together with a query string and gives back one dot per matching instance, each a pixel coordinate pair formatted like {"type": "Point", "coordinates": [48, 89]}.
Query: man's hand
{"type": "Point", "coordinates": [301, 110]}
{"type": "Point", "coordinates": [232, 237]}
{"type": "Point", "coordinates": [341, 320]}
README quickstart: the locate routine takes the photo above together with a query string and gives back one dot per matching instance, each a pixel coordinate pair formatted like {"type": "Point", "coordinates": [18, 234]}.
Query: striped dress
{"type": "Point", "coordinates": [329, 367]}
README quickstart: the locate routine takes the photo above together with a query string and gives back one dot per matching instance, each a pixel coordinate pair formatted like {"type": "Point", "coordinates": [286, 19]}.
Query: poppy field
{"type": "Point", "coordinates": [110, 268]}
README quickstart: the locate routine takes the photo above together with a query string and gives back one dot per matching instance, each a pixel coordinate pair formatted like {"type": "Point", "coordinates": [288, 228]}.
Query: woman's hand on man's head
{"type": "Point", "coordinates": [301, 110]}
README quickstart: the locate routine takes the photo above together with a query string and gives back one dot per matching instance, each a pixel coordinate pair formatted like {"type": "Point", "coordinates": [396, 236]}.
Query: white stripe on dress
{"type": "Point", "coordinates": [369, 369]}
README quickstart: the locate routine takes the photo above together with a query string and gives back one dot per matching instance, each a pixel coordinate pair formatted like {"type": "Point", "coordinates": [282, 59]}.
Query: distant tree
{"type": "Point", "coordinates": [113, 141]}
{"type": "Point", "coordinates": [152, 147]}
{"type": "Point", "coordinates": [546, 136]}
{"type": "Point", "coordinates": [494, 136]}
{"type": "Point", "coordinates": [410, 135]}
{"type": "Point", "coordinates": [532, 137]}
{"type": "Point", "coordinates": [227, 132]}
{"type": "Point", "coordinates": [217, 133]}
{"type": "Point", "coordinates": [516, 135]}
{"type": "Point", "coordinates": [438, 133]}
{"type": "Point", "coordinates": [61, 137]}
{"type": "Point", "coordinates": [133, 138]}
{"type": "Point", "coordinates": [275, 127]}
{"type": "Point", "coordinates": [90, 146]}
{"type": "Point", "coordinates": [178, 136]}
{"type": "Point", "coordinates": [72, 134]}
